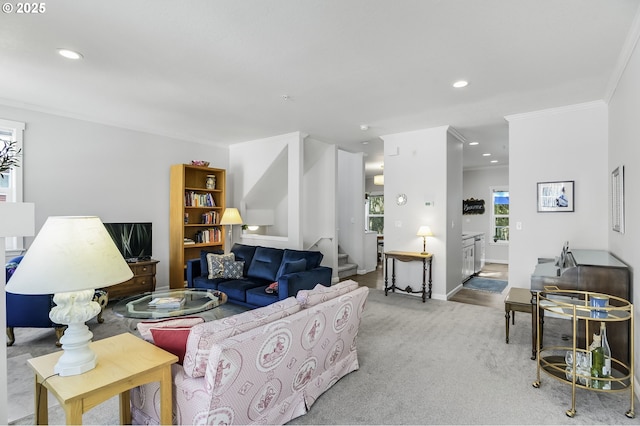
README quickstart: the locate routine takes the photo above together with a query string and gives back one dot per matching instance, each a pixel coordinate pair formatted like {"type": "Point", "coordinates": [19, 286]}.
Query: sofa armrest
{"type": "Point", "coordinates": [290, 284]}
{"type": "Point", "coordinates": [193, 270]}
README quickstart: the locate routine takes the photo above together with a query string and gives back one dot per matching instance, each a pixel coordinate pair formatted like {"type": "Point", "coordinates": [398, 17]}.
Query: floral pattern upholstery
{"type": "Point", "coordinates": [268, 374]}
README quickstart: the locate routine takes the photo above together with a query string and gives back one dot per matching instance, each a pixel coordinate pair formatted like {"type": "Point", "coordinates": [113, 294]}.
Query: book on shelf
{"type": "Point", "coordinates": [209, 218]}
{"type": "Point", "coordinates": [211, 235]}
{"type": "Point", "coordinates": [166, 302]}
{"type": "Point", "coordinates": [188, 241]}
{"type": "Point", "coordinates": [196, 199]}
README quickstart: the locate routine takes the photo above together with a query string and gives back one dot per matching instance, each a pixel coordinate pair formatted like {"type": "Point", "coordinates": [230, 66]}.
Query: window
{"type": "Point", "coordinates": [500, 215]}
{"type": "Point", "coordinates": [375, 213]}
{"type": "Point", "coordinates": [11, 182]}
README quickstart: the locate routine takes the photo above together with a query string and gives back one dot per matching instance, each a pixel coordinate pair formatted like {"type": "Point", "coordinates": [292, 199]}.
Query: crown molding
{"type": "Point", "coordinates": [554, 111]}
{"type": "Point", "coordinates": [623, 59]}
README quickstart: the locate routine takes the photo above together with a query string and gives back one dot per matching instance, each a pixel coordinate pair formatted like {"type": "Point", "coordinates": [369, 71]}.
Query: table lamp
{"type": "Point", "coordinates": [424, 232]}
{"type": "Point", "coordinates": [231, 216]}
{"type": "Point", "coordinates": [70, 257]}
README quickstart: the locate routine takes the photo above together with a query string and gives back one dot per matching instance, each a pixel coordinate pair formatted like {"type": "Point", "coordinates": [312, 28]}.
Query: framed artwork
{"type": "Point", "coordinates": [617, 199]}
{"type": "Point", "coordinates": [556, 196]}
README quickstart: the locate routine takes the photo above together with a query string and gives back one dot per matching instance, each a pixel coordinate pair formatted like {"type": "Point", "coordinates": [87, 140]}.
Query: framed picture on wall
{"type": "Point", "coordinates": [556, 196]}
{"type": "Point", "coordinates": [617, 199]}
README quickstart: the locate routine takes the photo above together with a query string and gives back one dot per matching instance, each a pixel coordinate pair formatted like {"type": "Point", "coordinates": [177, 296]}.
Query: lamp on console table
{"type": "Point", "coordinates": [231, 216]}
{"type": "Point", "coordinates": [424, 232]}
{"type": "Point", "coordinates": [69, 258]}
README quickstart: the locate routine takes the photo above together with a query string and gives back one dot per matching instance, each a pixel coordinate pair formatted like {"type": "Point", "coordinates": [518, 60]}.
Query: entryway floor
{"type": "Point", "coordinates": [498, 271]}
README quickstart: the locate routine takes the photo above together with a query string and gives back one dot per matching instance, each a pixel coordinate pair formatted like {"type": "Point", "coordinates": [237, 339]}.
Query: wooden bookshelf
{"type": "Point", "coordinates": [194, 217]}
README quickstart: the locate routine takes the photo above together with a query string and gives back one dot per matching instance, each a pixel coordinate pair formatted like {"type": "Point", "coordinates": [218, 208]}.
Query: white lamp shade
{"type": "Point", "coordinates": [231, 216]}
{"type": "Point", "coordinates": [70, 253]}
{"type": "Point", "coordinates": [424, 231]}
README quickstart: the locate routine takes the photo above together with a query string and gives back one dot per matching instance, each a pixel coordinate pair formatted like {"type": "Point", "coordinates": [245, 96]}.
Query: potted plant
{"type": "Point", "coordinates": [9, 153]}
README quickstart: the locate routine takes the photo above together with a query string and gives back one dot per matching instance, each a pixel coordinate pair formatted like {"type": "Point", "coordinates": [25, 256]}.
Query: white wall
{"type": "Point", "coordinates": [248, 162]}
{"type": "Point", "coordinates": [319, 207]}
{"type": "Point", "coordinates": [556, 145]}
{"type": "Point", "coordinates": [624, 149]}
{"type": "Point", "coordinates": [75, 167]}
{"type": "Point", "coordinates": [477, 184]}
{"type": "Point", "coordinates": [415, 163]}
{"type": "Point", "coordinates": [351, 206]}
{"type": "Point", "coordinates": [453, 193]}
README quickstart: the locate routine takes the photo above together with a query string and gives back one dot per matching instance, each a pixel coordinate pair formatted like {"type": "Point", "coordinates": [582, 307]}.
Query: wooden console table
{"type": "Point", "coordinates": [407, 256]}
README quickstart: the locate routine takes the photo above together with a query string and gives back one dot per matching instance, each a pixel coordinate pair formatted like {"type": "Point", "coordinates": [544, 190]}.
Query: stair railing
{"type": "Point", "coordinates": [318, 242]}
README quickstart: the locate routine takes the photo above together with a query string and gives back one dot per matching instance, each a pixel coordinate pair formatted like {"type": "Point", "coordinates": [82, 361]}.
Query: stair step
{"type": "Point", "coordinates": [342, 259]}
{"type": "Point", "coordinates": [347, 270]}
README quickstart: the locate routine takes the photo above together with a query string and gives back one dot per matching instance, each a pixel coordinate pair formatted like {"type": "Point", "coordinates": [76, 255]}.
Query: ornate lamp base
{"type": "Point", "coordinates": [74, 309]}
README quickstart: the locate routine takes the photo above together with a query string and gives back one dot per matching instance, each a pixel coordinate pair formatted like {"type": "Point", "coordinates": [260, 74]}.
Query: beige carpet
{"type": "Point", "coordinates": [20, 388]}
{"type": "Point", "coordinates": [422, 363]}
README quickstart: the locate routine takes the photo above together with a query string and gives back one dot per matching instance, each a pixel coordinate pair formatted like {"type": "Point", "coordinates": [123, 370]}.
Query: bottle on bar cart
{"type": "Point", "coordinates": [606, 353]}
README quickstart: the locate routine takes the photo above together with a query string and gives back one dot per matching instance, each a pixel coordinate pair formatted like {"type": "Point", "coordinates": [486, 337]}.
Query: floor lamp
{"type": "Point", "coordinates": [70, 257]}
{"type": "Point", "coordinates": [230, 217]}
{"type": "Point", "coordinates": [17, 220]}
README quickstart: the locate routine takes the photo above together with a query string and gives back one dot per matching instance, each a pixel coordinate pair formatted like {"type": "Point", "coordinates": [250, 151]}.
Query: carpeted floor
{"type": "Point", "coordinates": [430, 363]}
{"type": "Point", "coordinates": [486, 284]}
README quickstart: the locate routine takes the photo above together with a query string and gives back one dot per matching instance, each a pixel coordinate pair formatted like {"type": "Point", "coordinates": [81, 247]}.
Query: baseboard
{"type": "Point", "coordinates": [501, 261]}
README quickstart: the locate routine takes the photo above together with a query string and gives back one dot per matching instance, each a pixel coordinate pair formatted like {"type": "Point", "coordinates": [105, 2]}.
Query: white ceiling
{"type": "Point", "coordinates": [217, 71]}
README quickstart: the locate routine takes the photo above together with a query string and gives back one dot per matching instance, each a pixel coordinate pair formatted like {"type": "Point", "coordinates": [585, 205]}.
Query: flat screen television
{"type": "Point", "coordinates": [133, 239]}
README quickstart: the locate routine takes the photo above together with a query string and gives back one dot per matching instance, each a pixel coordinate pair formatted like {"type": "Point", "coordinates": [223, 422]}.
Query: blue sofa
{"type": "Point", "coordinates": [262, 267]}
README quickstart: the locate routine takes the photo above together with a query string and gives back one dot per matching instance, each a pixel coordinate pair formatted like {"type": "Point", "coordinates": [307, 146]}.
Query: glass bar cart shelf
{"type": "Point", "coordinates": [562, 362]}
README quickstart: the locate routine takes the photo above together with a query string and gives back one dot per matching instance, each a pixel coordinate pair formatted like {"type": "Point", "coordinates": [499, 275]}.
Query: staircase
{"type": "Point", "coordinates": [345, 269]}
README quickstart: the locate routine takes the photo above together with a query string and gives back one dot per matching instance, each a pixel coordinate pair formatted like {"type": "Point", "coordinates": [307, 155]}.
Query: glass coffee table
{"type": "Point", "coordinates": [191, 301]}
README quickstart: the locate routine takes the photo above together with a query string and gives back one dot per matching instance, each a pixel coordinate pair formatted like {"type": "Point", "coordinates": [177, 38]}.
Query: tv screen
{"type": "Point", "coordinates": [132, 239]}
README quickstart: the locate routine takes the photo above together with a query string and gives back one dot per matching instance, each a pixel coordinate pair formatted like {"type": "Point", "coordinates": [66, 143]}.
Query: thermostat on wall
{"type": "Point", "coordinates": [429, 203]}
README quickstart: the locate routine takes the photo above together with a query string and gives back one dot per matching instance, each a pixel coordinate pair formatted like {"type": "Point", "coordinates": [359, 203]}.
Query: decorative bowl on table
{"type": "Point", "coordinates": [200, 163]}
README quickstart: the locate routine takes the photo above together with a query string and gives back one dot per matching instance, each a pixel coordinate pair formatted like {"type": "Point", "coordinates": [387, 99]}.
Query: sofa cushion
{"type": "Point", "coordinates": [321, 293]}
{"type": "Point", "coordinates": [203, 336]}
{"type": "Point", "coordinates": [314, 258]}
{"type": "Point", "coordinates": [172, 340]}
{"type": "Point", "coordinates": [236, 289]}
{"type": "Point", "coordinates": [291, 266]}
{"type": "Point", "coordinates": [204, 266]}
{"type": "Point", "coordinates": [245, 253]}
{"type": "Point", "coordinates": [232, 269]}
{"type": "Point", "coordinates": [215, 264]}
{"type": "Point", "coordinates": [144, 327]}
{"type": "Point", "coordinates": [169, 334]}
{"type": "Point", "coordinates": [204, 282]}
{"type": "Point", "coordinates": [260, 297]}
{"type": "Point", "coordinates": [265, 263]}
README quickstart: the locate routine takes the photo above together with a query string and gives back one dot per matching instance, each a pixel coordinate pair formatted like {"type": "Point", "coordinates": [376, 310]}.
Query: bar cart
{"type": "Point", "coordinates": [571, 364]}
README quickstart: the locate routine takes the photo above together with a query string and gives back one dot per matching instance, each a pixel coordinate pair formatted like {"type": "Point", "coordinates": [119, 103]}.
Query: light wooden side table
{"type": "Point", "coordinates": [123, 362]}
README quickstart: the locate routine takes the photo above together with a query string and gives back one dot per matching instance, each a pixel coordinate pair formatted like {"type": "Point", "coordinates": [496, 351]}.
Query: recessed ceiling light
{"type": "Point", "coordinates": [486, 154]}
{"type": "Point", "coordinates": [473, 143]}
{"type": "Point", "coordinates": [364, 127]}
{"type": "Point", "coordinates": [460, 84]}
{"type": "Point", "coordinates": [365, 143]}
{"type": "Point", "coordinates": [70, 54]}
{"type": "Point", "coordinates": [494, 161]}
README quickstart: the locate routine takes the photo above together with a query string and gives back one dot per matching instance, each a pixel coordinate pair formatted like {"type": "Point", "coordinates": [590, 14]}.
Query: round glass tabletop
{"type": "Point", "coordinates": [169, 303]}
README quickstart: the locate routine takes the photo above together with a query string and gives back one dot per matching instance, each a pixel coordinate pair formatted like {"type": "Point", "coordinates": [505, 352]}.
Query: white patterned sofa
{"type": "Point", "coordinates": [264, 366]}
